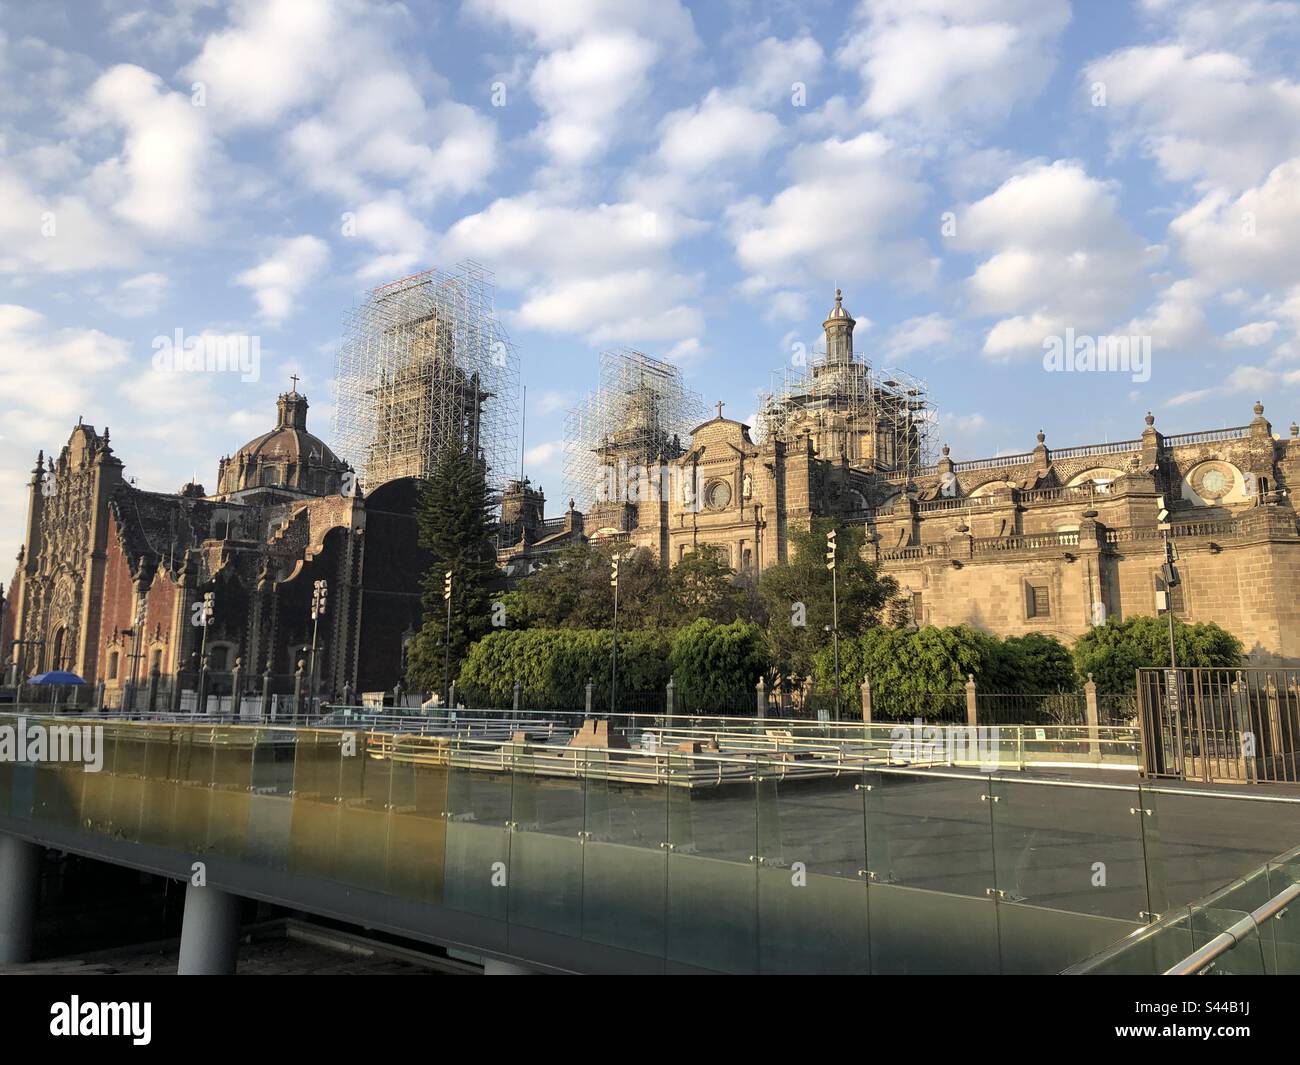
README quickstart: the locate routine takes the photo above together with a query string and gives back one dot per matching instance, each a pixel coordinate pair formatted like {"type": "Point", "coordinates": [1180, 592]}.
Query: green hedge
{"type": "Point", "coordinates": [1113, 652]}
{"type": "Point", "coordinates": [908, 665]}
{"type": "Point", "coordinates": [554, 665]}
{"type": "Point", "coordinates": [713, 663]}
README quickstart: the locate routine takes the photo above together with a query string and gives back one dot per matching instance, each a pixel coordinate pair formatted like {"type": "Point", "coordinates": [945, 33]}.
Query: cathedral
{"type": "Point", "coordinates": [1050, 540]}
{"type": "Point", "coordinates": [128, 588]}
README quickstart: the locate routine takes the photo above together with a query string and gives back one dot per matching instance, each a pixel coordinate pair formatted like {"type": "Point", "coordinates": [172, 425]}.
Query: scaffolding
{"type": "Point", "coordinates": [882, 422]}
{"type": "Point", "coordinates": [425, 366]}
{"type": "Point", "coordinates": [638, 417]}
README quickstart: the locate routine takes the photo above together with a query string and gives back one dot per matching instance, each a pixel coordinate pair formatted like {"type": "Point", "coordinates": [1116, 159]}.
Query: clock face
{"type": "Point", "coordinates": [1215, 483]}
{"type": "Point", "coordinates": [718, 495]}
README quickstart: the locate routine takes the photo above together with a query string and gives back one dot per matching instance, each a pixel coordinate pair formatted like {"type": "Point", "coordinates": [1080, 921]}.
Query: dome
{"type": "Point", "coordinates": [838, 310]}
{"type": "Point", "coordinates": [287, 457]}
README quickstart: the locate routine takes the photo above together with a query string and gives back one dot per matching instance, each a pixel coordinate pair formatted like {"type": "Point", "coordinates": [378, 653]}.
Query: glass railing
{"type": "Point", "coordinates": [811, 858]}
{"type": "Point", "coordinates": [1248, 927]}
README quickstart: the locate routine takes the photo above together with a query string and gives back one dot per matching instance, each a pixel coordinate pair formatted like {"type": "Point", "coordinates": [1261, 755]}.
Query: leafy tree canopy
{"type": "Point", "coordinates": [1114, 651]}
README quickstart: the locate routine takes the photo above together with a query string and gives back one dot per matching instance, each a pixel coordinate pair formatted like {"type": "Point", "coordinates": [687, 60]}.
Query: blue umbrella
{"type": "Point", "coordinates": [56, 676]}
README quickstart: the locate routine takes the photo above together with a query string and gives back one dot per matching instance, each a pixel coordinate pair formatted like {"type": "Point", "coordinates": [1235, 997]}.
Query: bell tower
{"type": "Point", "coordinates": [839, 333]}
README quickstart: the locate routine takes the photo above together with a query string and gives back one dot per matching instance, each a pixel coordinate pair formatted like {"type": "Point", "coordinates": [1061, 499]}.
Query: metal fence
{"type": "Point", "coordinates": [1220, 725]}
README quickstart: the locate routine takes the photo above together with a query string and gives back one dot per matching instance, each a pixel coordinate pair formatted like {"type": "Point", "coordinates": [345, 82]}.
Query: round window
{"type": "Point", "coordinates": [718, 495]}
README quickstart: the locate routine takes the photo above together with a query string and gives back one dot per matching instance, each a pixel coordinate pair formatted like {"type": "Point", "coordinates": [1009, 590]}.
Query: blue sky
{"type": "Point", "coordinates": [691, 180]}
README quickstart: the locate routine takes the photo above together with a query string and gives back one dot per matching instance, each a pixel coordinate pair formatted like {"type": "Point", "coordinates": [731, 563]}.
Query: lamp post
{"type": "Point", "coordinates": [835, 614]}
{"type": "Point", "coordinates": [613, 660]}
{"type": "Point", "coordinates": [1168, 574]}
{"type": "Point", "coordinates": [319, 596]}
{"type": "Point", "coordinates": [446, 644]}
{"type": "Point", "coordinates": [206, 613]}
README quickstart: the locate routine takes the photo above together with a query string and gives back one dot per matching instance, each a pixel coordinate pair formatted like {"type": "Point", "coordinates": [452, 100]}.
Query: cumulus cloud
{"type": "Point", "coordinates": [158, 178]}
{"type": "Point", "coordinates": [135, 297]}
{"type": "Point", "coordinates": [941, 62]}
{"type": "Point", "coordinates": [278, 279]}
{"type": "Point", "coordinates": [1057, 254]}
{"type": "Point", "coordinates": [595, 64]}
{"type": "Point", "coordinates": [843, 217]}
{"type": "Point", "coordinates": [1208, 118]}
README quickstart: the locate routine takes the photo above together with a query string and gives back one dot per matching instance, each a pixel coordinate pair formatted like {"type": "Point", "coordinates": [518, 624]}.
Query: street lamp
{"type": "Point", "coordinates": [446, 645]}
{"type": "Point", "coordinates": [206, 613]}
{"type": "Point", "coordinates": [1168, 574]}
{"type": "Point", "coordinates": [319, 596]}
{"type": "Point", "coordinates": [835, 615]}
{"type": "Point", "coordinates": [613, 662]}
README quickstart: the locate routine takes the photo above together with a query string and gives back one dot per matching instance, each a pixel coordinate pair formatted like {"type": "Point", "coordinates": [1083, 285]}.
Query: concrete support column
{"type": "Point", "coordinates": [209, 933]}
{"type": "Point", "coordinates": [972, 703]}
{"type": "Point", "coordinates": [866, 700]}
{"type": "Point", "coordinates": [20, 867]}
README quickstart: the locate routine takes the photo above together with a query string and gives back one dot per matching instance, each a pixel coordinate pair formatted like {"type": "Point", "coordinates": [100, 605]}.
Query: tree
{"type": "Point", "coordinates": [701, 585]}
{"type": "Point", "coordinates": [713, 664]}
{"type": "Point", "coordinates": [572, 591]}
{"type": "Point", "coordinates": [455, 519]}
{"type": "Point", "coordinates": [1113, 652]}
{"type": "Point", "coordinates": [796, 596]}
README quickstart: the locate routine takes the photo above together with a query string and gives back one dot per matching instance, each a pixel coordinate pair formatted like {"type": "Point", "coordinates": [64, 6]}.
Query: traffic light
{"type": "Point", "coordinates": [446, 586]}
{"type": "Point", "coordinates": [209, 607]}
{"type": "Point", "coordinates": [319, 595]}
{"type": "Point", "coordinates": [830, 549]}
{"type": "Point", "coordinates": [613, 573]}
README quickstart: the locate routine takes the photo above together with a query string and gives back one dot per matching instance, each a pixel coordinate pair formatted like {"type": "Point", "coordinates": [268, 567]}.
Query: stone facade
{"type": "Point", "coordinates": [1050, 541]}
{"type": "Point", "coordinates": [109, 577]}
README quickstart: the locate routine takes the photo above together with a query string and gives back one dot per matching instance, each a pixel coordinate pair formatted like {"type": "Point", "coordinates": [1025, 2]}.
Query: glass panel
{"type": "Point", "coordinates": [1244, 959]}
{"type": "Point", "coordinates": [478, 830]}
{"type": "Point", "coordinates": [548, 808]}
{"type": "Point", "coordinates": [418, 819]}
{"type": "Point", "coordinates": [232, 775]}
{"type": "Point", "coordinates": [157, 805]}
{"type": "Point", "coordinates": [812, 896]}
{"type": "Point", "coordinates": [270, 806]}
{"type": "Point", "coordinates": [313, 841]}
{"type": "Point", "coordinates": [365, 783]}
{"type": "Point", "coordinates": [1281, 934]}
{"type": "Point", "coordinates": [1198, 840]}
{"type": "Point", "coordinates": [713, 848]}
{"type": "Point", "coordinates": [625, 855]}
{"type": "Point", "coordinates": [930, 901]}
{"type": "Point", "coordinates": [97, 788]}
{"type": "Point", "coordinates": [1070, 848]}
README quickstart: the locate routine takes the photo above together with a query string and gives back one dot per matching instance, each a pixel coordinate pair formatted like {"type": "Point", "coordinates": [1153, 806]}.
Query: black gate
{"type": "Point", "coordinates": [1220, 724]}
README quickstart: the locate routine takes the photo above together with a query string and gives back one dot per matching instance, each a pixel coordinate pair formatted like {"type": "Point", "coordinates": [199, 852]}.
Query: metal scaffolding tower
{"type": "Point", "coordinates": [641, 415]}
{"type": "Point", "coordinates": [425, 365]}
{"type": "Point", "coordinates": [879, 421]}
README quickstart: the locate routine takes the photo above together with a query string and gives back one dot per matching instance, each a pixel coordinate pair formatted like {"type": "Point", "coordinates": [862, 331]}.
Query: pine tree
{"type": "Point", "coordinates": [455, 515]}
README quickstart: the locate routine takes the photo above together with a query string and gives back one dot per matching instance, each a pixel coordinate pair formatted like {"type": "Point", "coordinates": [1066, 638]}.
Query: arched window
{"type": "Point", "coordinates": [112, 665]}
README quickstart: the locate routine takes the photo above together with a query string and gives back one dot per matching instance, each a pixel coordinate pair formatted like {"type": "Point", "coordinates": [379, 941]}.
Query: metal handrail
{"type": "Point", "coordinates": [1200, 960]}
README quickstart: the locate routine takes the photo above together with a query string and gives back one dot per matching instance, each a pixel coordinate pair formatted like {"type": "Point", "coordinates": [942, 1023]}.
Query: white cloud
{"type": "Point", "coordinates": [842, 219]}
{"type": "Point", "coordinates": [274, 56]}
{"type": "Point", "coordinates": [1207, 118]}
{"type": "Point", "coordinates": [278, 279]}
{"type": "Point", "coordinates": [595, 64]}
{"type": "Point", "coordinates": [158, 180]}
{"type": "Point", "coordinates": [137, 296]}
{"type": "Point", "coordinates": [630, 306]}
{"type": "Point", "coordinates": [54, 233]}
{"type": "Point", "coordinates": [922, 333]}
{"type": "Point", "coordinates": [715, 131]}
{"type": "Point", "coordinates": [941, 62]}
{"type": "Point", "coordinates": [1059, 255]}
{"type": "Point", "coordinates": [1251, 335]}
